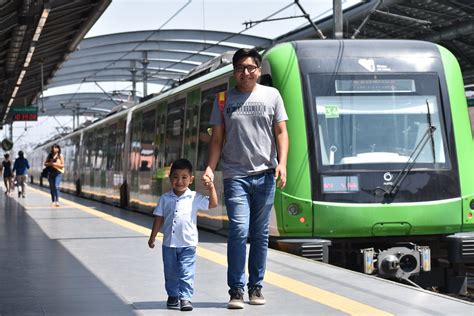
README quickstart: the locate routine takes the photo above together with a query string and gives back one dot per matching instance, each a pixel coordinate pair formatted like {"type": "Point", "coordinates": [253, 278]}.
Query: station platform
{"type": "Point", "coordinates": [87, 258]}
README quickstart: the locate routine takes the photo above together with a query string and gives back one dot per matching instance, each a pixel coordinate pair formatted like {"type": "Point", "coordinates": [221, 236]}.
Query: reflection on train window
{"type": "Point", "coordinates": [174, 131]}
{"type": "Point", "coordinates": [207, 101]}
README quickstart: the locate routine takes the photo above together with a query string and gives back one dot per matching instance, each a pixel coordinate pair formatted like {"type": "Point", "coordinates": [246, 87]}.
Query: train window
{"type": "Point", "coordinates": [266, 80]}
{"type": "Point", "coordinates": [266, 77]}
{"type": "Point", "coordinates": [368, 120]}
{"type": "Point", "coordinates": [207, 101]}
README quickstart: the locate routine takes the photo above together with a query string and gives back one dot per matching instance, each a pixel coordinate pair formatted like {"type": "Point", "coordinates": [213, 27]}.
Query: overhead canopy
{"type": "Point", "coordinates": [35, 37]}
{"type": "Point", "coordinates": [81, 104]}
{"type": "Point", "coordinates": [159, 57]}
{"type": "Point", "coordinates": [164, 56]}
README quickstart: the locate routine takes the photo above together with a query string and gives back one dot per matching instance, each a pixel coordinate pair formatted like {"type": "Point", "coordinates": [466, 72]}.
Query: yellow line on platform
{"type": "Point", "coordinates": [305, 290]}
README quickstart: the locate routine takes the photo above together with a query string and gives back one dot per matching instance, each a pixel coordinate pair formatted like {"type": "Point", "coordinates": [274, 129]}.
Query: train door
{"type": "Point", "coordinates": [191, 126]}
{"type": "Point", "coordinates": [174, 135]}
{"type": "Point", "coordinates": [212, 219]}
{"type": "Point", "coordinates": [99, 168]}
{"type": "Point", "coordinates": [111, 133]}
{"type": "Point", "coordinates": [118, 158]}
{"type": "Point", "coordinates": [86, 164]}
{"type": "Point", "coordinates": [160, 175]}
{"type": "Point", "coordinates": [137, 120]}
{"type": "Point", "coordinates": [145, 190]}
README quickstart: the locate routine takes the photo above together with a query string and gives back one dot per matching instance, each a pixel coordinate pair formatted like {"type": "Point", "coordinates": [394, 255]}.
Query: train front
{"type": "Point", "coordinates": [379, 171]}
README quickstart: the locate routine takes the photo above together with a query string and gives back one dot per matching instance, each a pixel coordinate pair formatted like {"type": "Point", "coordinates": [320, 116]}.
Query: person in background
{"type": "Point", "coordinates": [249, 128]}
{"type": "Point", "coordinates": [55, 163]}
{"type": "Point", "coordinates": [6, 168]}
{"type": "Point", "coordinates": [20, 168]}
{"type": "Point", "coordinates": [177, 212]}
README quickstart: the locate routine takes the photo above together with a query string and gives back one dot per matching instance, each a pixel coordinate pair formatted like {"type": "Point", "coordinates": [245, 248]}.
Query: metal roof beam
{"type": "Point", "coordinates": [451, 33]}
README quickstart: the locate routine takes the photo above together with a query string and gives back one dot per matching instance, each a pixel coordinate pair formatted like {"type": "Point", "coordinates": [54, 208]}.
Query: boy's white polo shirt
{"type": "Point", "coordinates": [180, 216]}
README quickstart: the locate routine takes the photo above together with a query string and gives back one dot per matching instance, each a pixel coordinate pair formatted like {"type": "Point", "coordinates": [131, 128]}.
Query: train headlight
{"type": "Point", "coordinates": [293, 209]}
{"type": "Point", "coordinates": [471, 205]}
{"type": "Point", "coordinates": [408, 263]}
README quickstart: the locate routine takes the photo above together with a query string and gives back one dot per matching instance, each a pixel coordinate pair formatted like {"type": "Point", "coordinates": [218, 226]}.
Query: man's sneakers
{"type": "Point", "coordinates": [186, 306]}
{"type": "Point", "coordinates": [256, 296]}
{"type": "Point", "coordinates": [172, 302]}
{"type": "Point", "coordinates": [236, 299]}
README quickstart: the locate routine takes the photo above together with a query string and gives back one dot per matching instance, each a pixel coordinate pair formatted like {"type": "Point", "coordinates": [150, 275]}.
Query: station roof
{"type": "Point", "coordinates": [449, 23]}
{"type": "Point", "coordinates": [35, 37]}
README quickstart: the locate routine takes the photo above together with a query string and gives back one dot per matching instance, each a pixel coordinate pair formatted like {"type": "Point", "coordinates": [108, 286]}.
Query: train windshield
{"type": "Point", "coordinates": [367, 120]}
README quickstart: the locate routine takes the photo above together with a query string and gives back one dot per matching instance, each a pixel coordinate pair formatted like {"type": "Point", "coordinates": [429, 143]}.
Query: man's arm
{"type": "Point", "coordinates": [215, 148]}
{"type": "Point", "coordinates": [282, 146]}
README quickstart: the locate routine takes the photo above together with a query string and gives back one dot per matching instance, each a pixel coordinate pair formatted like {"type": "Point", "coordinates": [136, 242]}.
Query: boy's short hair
{"type": "Point", "coordinates": [181, 164]}
{"type": "Point", "coordinates": [247, 52]}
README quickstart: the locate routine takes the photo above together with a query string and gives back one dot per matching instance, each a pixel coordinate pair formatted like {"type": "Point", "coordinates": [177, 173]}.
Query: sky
{"type": "Point", "coordinates": [134, 15]}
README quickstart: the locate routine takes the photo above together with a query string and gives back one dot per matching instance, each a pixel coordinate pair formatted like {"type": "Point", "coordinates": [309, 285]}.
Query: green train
{"type": "Point", "coordinates": [380, 171]}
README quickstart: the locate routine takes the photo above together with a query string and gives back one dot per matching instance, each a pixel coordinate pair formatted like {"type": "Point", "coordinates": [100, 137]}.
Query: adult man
{"type": "Point", "coordinates": [252, 120]}
{"type": "Point", "coordinates": [20, 167]}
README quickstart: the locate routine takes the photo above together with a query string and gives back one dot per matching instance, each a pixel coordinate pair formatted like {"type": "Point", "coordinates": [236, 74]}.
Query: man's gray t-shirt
{"type": "Point", "coordinates": [249, 117]}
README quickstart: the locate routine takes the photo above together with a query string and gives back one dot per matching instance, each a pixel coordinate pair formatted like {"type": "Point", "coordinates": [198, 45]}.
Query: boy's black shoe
{"type": "Point", "coordinates": [186, 306]}
{"type": "Point", "coordinates": [256, 296]}
{"type": "Point", "coordinates": [236, 299]}
{"type": "Point", "coordinates": [172, 302]}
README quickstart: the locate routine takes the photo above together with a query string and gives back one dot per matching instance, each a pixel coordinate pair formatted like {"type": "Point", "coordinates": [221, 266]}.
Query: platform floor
{"type": "Point", "coordinates": [87, 258]}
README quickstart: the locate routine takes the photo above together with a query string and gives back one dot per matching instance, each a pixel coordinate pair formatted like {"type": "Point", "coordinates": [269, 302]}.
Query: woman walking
{"type": "Point", "coordinates": [55, 163]}
{"type": "Point", "coordinates": [7, 174]}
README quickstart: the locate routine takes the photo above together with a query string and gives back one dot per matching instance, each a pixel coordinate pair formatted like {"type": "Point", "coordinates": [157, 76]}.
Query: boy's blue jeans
{"type": "Point", "coordinates": [54, 180]}
{"type": "Point", "coordinates": [179, 266]}
{"type": "Point", "coordinates": [249, 201]}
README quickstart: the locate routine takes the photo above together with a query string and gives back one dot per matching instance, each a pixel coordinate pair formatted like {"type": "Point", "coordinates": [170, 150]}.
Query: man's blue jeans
{"type": "Point", "coordinates": [54, 179]}
{"type": "Point", "coordinates": [179, 266]}
{"type": "Point", "coordinates": [249, 202]}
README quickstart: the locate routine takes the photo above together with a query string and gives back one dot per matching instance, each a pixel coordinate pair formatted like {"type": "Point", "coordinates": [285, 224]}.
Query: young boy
{"type": "Point", "coordinates": [177, 212]}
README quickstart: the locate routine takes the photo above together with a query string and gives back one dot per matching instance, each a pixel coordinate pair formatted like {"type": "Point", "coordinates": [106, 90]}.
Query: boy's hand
{"type": "Point", "coordinates": [209, 185]}
{"type": "Point", "coordinates": [208, 176]}
{"type": "Point", "coordinates": [151, 242]}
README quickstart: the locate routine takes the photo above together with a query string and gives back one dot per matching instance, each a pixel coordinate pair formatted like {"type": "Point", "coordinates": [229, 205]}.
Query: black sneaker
{"type": "Point", "coordinates": [256, 296]}
{"type": "Point", "coordinates": [186, 306]}
{"type": "Point", "coordinates": [172, 302]}
{"type": "Point", "coordinates": [236, 299]}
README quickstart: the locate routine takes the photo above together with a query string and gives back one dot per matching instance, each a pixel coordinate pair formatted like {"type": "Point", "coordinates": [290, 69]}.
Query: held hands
{"type": "Point", "coordinates": [207, 177]}
{"type": "Point", "coordinates": [280, 173]}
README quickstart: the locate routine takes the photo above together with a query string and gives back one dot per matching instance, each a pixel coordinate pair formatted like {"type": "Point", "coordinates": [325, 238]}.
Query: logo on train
{"type": "Point", "coordinates": [388, 177]}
